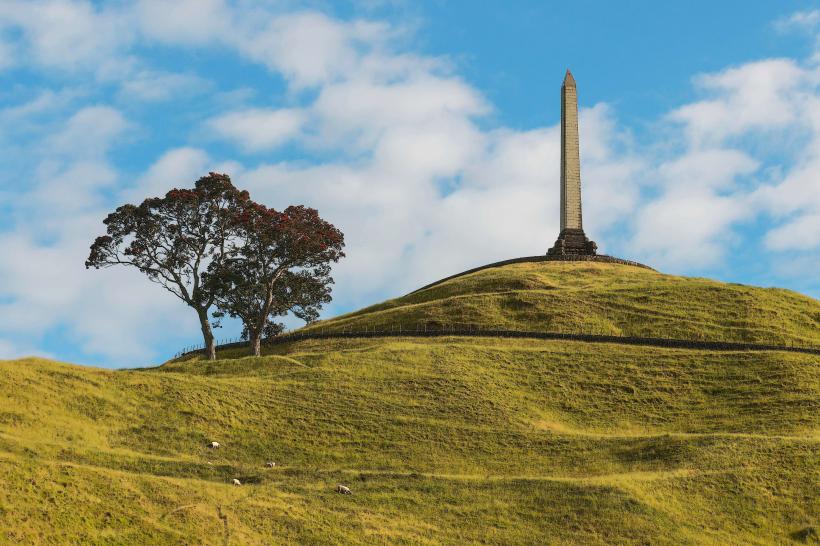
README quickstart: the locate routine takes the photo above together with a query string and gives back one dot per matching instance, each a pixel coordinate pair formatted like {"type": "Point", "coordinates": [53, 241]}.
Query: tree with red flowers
{"type": "Point", "coordinates": [280, 264]}
{"type": "Point", "coordinates": [174, 240]}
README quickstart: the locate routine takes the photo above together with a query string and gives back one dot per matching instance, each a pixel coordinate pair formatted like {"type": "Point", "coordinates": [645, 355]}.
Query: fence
{"type": "Point", "coordinates": [425, 330]}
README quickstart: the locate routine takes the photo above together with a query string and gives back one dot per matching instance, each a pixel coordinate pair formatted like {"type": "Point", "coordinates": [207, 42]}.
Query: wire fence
{"type": "Point", "coordinates": [468, 330]}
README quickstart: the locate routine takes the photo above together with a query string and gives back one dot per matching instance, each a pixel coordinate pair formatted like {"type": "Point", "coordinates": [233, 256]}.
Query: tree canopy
{"type": "Point", "coordinates": [174, 239]}
{"type": "Point", "coordinates": [213, 246]}
{"type": "Point", "coordinates": [279, 264]}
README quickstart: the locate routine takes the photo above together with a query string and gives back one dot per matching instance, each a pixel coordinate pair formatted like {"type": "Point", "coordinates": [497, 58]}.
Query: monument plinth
{"type": "Point", "coordinates": [571, 239]}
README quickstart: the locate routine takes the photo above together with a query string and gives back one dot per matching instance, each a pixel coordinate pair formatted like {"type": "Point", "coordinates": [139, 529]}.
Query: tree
{"type": "Point", "coordinates": [174, 240]}
{"type": "Point", "coordinates": [280, 264]}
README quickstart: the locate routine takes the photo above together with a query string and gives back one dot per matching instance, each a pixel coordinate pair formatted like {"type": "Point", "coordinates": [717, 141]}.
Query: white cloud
{"type": "Point", "coordinates": [259, 129]}
{"type": "Point", "coordinates": [438, 195]}
{"type": "Point", "coordinates": [358, 112]}
{"type": "Point", "coordinates": [72, 172]}
{"type": "Point", "coordinates": [46, 288]}
{"type": "Point", "coordinates": [714, 168]}
{"type": "Point", "coordinates": [792, 198]}
{"type": "Point", "coordinates": [154, 86]}
{"type": "Point", "coordinates": [799, 234]}
{"type": "Point", "coordinates": [66, 189]}
{"type": "Point", "coordinates": [309, 48]}
{"type": "Point", "coordinates": [45, 101]}
{"type": "Point", "coordinates": [65, 34]}
{"type": "Point", "coordinates": [690, 223]}
{"type": "Point", "coordinates": [528, 159]}
{"type": "Point", "coordinates": [429, 152]}
{"type": "Point", "coordinates": [797, 191]}
{"type": "Point", "coordinates": [687, 230]}
{"type": "Point", "coordinates": [613, 171]}
{"type": "Point", "coordinates": [113, 312]}
{"type": "Point", "coordinates": [760, 114]}
{"type": "Point", "coordinates": [174, 169]}
{"type": "Point", "coordinates": [78, 36]}
{"type": "Point", "coordinates": [757, 96]}
{"type": "Point", "coordinates": [90, 132]}
{"type": "Point", "coordinates": [189, 22]}
{"type": "Point", "coordinates": [799, 20]}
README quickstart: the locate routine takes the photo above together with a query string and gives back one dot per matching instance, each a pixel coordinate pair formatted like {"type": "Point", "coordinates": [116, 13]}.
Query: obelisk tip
{"type": "Point", "coordinates": [569, 81]}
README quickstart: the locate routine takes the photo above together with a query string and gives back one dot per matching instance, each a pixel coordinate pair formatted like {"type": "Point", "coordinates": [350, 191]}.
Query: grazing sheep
{"type": "Point", "coordinates": [270, 464]}
{"type": "Point", "coordinates": [236, 482]}
{"type": "Point", "coordinates": [214, 445]}
{"type": "Point", "coordinates": [343, 490]}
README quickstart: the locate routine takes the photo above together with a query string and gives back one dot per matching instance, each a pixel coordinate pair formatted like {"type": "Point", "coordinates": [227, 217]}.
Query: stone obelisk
{"type": "Point", "coordinates": [571, 240]}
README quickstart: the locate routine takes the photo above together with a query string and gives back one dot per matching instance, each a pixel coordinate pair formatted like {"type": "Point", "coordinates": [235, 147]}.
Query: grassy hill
{"type": "Point", "coordinates": [601, 298]}
{"type": "Point", "coordinates": [444, 440]}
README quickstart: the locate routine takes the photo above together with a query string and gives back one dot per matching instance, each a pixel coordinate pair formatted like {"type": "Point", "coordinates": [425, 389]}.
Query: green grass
{"type": "Point", "coordinates": [443, 441]}
{"type": "Point", "coordinates": [601, 298]}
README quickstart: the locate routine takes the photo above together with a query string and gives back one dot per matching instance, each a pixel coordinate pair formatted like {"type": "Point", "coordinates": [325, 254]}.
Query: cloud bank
{"type": "Point", "coordinates": [392, 145]}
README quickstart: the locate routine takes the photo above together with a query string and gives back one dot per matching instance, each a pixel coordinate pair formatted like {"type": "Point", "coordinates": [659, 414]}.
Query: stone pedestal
{"type": "Point", "coordinates": [573, 242]}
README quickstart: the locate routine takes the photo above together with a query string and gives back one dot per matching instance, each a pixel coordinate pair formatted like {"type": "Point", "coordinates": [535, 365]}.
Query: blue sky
{"type": "Point", "coordinates": [427, 131]}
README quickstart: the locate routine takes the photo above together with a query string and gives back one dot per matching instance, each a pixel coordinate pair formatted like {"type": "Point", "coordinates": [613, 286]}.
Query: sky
{"type": "Point", "coordinates": [427, 131]}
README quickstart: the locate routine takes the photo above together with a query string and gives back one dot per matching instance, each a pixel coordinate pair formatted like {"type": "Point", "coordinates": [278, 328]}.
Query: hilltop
{"type": "Point", "coordinates": [601, 298]}
{"type": "Point", "coordinates": [451, 440]}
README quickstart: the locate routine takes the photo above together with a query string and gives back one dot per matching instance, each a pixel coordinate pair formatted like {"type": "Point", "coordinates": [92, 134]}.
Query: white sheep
{"type": "Point", "coordinates": [236, 482]}
{"type": "Point", "coordinates": [270, 464]}
{"type": "Point", "coordinates": [344, 490]}
{"type": "Point", "coordinates": [214, 445]}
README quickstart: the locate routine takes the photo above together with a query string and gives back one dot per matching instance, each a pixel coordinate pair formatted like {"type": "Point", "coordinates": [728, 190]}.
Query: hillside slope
{"type": "Point", "coordinates": [601, 298]}
{"type": "Point", "coordinates": [443, 441]}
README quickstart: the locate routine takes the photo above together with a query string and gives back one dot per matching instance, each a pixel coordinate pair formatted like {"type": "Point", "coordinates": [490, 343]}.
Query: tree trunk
{"type": "Point", "coordinates": [207, 334]}
{"type": "Point", "coordinates": [256, 343]}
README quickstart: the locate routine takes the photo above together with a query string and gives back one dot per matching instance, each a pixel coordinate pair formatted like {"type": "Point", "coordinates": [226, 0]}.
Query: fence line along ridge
{"type": "Point", "coordinates": [467, 331]}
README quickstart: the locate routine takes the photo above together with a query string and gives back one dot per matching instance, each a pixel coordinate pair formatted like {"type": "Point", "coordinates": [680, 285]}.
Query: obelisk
{"type": "Point", "coordinates": [571, 239]}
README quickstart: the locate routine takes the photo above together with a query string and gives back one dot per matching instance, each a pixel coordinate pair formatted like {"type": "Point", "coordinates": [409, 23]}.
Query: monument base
{"type": "Point", "coordinates": [573, 242]}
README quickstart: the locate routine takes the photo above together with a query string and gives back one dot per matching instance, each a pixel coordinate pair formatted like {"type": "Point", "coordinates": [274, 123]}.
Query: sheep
{"type": "Point", "coordinates": [214, 445]}
{"type": "Point", "coordinates": [236, 482]}
{"type": "Point", "coordinates": [270, 464]}
{"type": "Point", "coordinates": [344, 490]}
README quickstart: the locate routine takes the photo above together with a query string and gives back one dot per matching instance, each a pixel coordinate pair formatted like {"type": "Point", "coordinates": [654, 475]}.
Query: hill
{"type": "Point", "coordinates": [601, 298]}
{"type": "Point", "coordinates": [443, 440]}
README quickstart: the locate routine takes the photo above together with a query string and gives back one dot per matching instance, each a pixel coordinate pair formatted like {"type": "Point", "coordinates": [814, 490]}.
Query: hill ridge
{"type": "Point", "coordinates": [600, 258]}
{"type": "Point", "coordinates": [583, 297]}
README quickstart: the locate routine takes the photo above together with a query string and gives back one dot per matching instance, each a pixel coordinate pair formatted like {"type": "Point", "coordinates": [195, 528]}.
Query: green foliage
{"type": "Point", "coordinates": [173, 239]}
{"type": "Point", "coordinates": [282, 265]}
{"type": "Point", "coordinates": [211, 245]}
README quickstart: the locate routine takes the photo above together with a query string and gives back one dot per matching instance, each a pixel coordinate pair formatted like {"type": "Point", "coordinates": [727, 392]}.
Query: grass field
{"type": "Point", "coordinates": [600, 298]}
{"type": "Point", "coordinates": [443, 441]}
